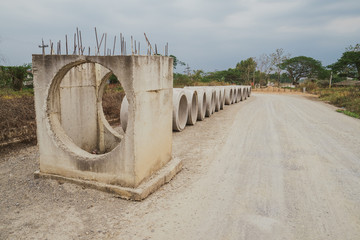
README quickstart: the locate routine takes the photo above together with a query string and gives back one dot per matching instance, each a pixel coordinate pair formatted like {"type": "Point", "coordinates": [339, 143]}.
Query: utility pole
{"type": "Point", "coordinates": [330, 79]}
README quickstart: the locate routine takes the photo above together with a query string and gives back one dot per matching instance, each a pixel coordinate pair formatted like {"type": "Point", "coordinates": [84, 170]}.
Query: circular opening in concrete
{"type": "Point", "coordinates": [182, 110]}
{"type": "Point", "coordinates": [75, 108]}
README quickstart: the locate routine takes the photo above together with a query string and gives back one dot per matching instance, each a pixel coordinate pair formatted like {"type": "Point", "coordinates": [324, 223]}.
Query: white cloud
{"type": "Point", "coordinates": [207, 34]}
{"type": "Point", "coordinates": [344, 25]}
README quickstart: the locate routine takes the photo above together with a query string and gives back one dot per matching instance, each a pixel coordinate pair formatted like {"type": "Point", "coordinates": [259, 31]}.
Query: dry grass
{"type": "Point", "coordinates": [111, 103]}
{"type": "Point", "coordinates": [17, 118]}
{"type": "Point", "coordinates": [344, 97]}
{"type": "Point", "coordinates": [17, 113]}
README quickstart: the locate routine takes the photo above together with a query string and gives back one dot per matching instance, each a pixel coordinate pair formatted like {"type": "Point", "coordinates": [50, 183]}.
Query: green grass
{"type": "Point", "coordinates": [351, 114]}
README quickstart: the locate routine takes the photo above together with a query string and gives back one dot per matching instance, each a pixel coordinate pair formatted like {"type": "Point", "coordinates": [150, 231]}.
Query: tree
{"type": "Point", "coordinates": [264, 67]}
{"type": "Point", "coordinates": [349, 63]}
{"type": "Point", "coordinates": [277, 58]}
{"type": "Point", "coordinates": [197, 75]}
{"type": "Point", "coordinates": [14, 76]}
{"type": "Point", "coordinates": [247, 67]}
{"type": "Point", "coordinates": [302, 67]}
{"type": "Point", "coordinates": [177, 62]}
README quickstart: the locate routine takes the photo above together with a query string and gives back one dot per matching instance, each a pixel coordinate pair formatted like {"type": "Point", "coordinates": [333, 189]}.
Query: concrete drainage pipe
{"type": "Point", "coordinates": [249, 92]}
{"type": "Point", "coordinates": [222, 97]}
{"type": "Point", "coordinates": [201, 95]}
{"type": "Point", "coordinates": [217, 98]}
{"type": "Point", "coordinates": [244, 92]}
{"type": "Point", "coordinates": [180, 109]}
{"type": "Point", "coordinates": [210, 101]}
{"type": "Point", "coordinates": [124, 113]}
{"type": "Point", "coordinates": [228, 95]}
{"type": "Point", "coordinates": [235, 93]}
{"type": "Point", "coordinates": [213, 91]}
{"type": "Point", "coordinates": [192, 100]}
{"type": "Point", "coordinates": [239, 94]}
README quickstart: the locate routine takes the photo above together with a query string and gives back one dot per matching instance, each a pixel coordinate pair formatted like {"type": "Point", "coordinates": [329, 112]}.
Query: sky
{"type": "Point", "coordinates": [206, 34]}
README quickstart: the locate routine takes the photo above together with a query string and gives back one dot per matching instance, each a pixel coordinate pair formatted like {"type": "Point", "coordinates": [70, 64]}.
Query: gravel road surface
{"type": "Point", "coordinates": [272, 167]}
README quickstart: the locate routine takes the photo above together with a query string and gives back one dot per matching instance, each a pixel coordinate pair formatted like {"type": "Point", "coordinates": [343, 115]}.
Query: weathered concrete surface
{"type": "Point", "coordinates": [150, 185]}
{"type": "Point", "coordinates": [126, 159]}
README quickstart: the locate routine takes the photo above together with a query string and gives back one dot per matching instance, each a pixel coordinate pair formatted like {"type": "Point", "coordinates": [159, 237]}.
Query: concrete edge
{"type": "Point", "coordinates": [164, 175]}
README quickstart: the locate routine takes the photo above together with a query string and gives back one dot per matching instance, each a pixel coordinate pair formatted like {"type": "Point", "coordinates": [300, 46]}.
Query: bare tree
{"type": "Point", "coordinates": [276, 59]}
{"type": "Point", "coordinates": [264, 65]}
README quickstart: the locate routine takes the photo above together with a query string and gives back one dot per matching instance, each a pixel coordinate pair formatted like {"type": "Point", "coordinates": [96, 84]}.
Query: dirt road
{"type": "Point", "coordinates": [272, 167]}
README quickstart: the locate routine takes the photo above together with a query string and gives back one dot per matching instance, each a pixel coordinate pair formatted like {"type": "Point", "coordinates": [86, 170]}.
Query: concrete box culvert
{"type": "Point", "coordinates": [137, 154]}
{"type": "Point", "coordinates": [180, 109]}
{"type": "Point", "coordinates": [228, 95]}
{"type": "Point", "coordinates": [192, 98]}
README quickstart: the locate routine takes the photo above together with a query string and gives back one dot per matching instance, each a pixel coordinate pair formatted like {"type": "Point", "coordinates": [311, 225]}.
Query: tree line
{"type": "Point", "coordinates": [14, 76]}
{"type": "Point", "coordinates": [278, 67]}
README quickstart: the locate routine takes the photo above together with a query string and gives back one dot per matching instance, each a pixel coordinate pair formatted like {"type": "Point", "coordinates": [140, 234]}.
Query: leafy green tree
{"type": "Point", "coordinates": [177, 62]}
{"type": "Point", "coordinates": [181, 80]}
{"type": "Point", "coordinates": [15, 76]}
{"type": "Point", "coordinates": [231, 75]}
{"type": "Point", "coordinates": [197, 75]}
{"type": "Point", "coordinates": [302, 67]}
{"type": "Point", "coordinates": [247, 68]}
{"type": "Point", "coordinates": [349, 63]}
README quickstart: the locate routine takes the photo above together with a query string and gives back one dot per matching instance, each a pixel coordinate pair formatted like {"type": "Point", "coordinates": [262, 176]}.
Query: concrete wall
{"type": "Point", "coordinates": [70, 121]}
